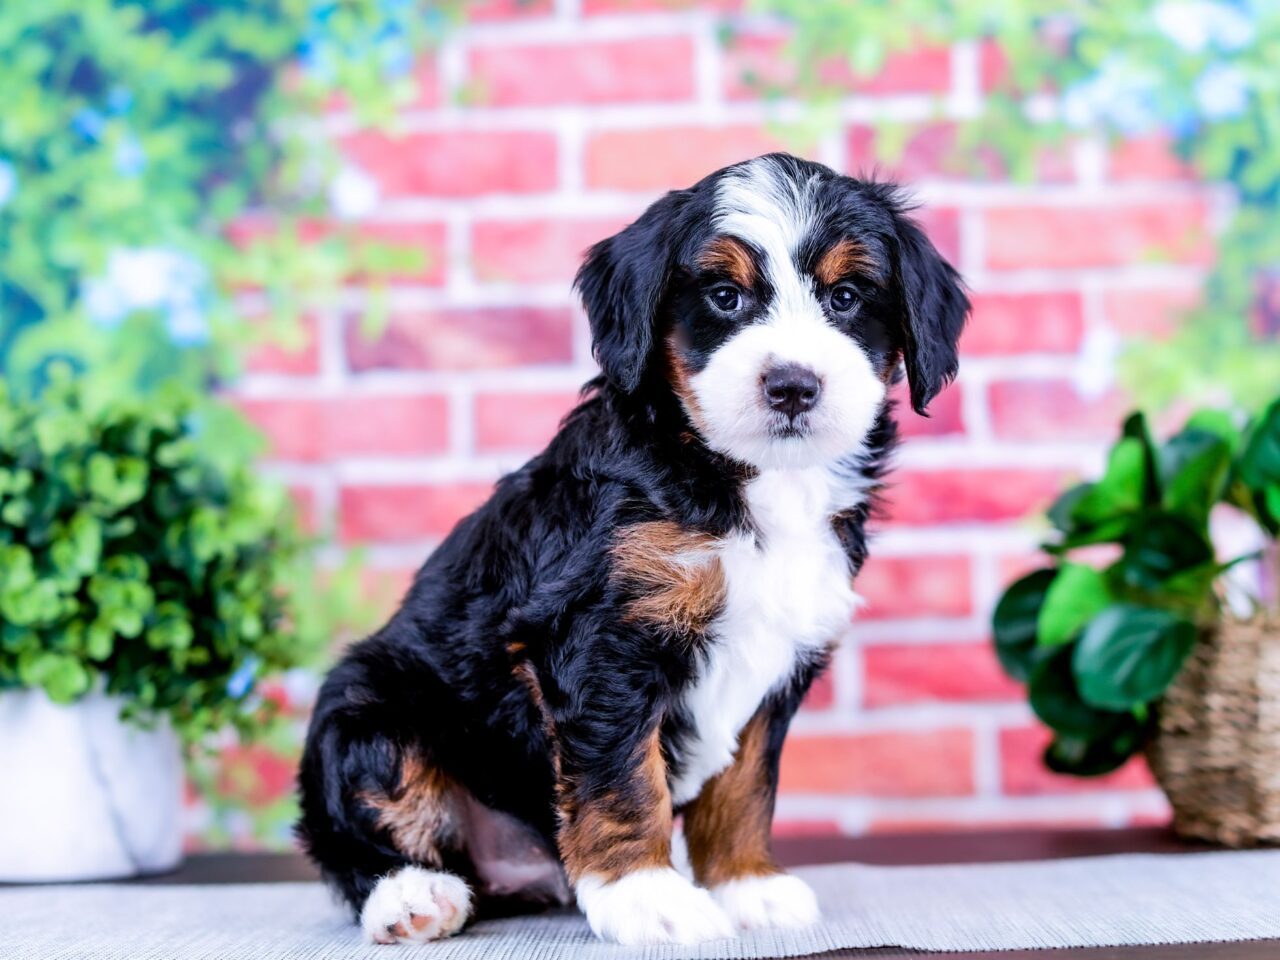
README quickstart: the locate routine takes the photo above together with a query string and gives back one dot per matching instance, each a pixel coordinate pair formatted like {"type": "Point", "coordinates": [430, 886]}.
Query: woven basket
{"type": "Point", "coordinates": [1216, 752]}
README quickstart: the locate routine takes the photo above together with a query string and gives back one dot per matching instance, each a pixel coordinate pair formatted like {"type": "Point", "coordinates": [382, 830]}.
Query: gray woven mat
{"type": "Point", "coordinates": [1104, 901]}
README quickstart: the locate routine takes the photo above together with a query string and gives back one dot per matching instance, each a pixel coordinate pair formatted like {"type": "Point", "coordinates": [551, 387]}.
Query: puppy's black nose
{"type": "Point", "coordinates": [791, 388]}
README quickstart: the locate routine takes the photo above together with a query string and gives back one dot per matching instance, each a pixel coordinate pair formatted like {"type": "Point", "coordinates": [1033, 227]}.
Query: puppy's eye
{"type": "Point", "coordinates": [843, 299]}
{"type": "Point", "coordinates": [726, 298]}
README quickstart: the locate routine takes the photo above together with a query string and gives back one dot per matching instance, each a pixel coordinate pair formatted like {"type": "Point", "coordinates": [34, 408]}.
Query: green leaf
{"type": "Point", "coordinates": [1056, 700]}
{"type": "Point", "coordinates": [61, 675]}
{"type": "Point", "coordinates": [1014, 622]}
{"type": "Point", "coordinates": [1194, 467]}
{"type": "Point", "coordinates": [1083, 757]}
{"type": "Point", "coordinates": [1159, 546]}
{"type": "Point", "coordinates": [1128, 655]}
{"type": "Point", "coordinates": [1220, 423]}
{"type": "Point", "coordinates": [1260, 462]}
{"type": "Point", "coordinates": [1135, 428]}
{"type": "Point", "coordinates": [1075, 596]}
{"type": "Point", "coordinates": [1122, 488]}
{"type": "Point", "coordinates": [1061, 514]}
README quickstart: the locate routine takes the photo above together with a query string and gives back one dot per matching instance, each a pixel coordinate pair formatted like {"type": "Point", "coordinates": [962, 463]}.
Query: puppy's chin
{"type": "Point", "coordinates": [790, 448]}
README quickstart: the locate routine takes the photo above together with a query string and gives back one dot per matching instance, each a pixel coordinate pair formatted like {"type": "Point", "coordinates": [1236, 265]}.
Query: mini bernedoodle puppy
{"type": "Point", "coordinates": [622, 633]}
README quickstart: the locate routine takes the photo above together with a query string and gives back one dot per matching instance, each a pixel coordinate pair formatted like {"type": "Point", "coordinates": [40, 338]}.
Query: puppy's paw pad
{"type": "Point", "coordinates": [755, 903]}
{"type": "Point", "coordinates": [416, 905]}
{"type": "Point", "coordinates": [651, 906]}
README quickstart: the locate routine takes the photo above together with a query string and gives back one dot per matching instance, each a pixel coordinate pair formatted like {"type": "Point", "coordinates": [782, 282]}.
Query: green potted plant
{"type": "Point", "coordinates": [143, 592]}
{"type": "Point", "coordinates": [1141, 651]}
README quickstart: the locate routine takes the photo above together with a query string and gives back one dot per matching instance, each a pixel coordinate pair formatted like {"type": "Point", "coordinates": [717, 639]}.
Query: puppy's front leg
{"type": "Point", "coordinates": [615, 839]}
{"type": "Point", "coordinates": [727, 828]}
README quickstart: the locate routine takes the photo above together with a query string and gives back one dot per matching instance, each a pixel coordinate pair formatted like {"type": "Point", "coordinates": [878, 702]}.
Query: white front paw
{"type": "Point", "coordinates": [775, 901]}
{"type": "Point", "coordinates": [651, 906]}
{"type": "Point", "coordinates": [414, 904]}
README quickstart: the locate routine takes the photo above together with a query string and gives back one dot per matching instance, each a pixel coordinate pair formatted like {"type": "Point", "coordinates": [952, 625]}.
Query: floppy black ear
{"type": "Point", "coordinates": [934, 309]}
{"type": "Point", "coordinates": [622, 282]}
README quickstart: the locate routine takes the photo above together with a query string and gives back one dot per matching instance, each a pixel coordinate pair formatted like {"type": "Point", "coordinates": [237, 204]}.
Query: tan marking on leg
{"type": "Point", "coordinates": [727, 825]}
{"type": "Point", "coordinates": [843, 259]}
{"type": "Point", "coordinates": [676, 577]}
{"type": "Point", "coordinates": [625, 829]}
{"type": "Point", "coordinates": [731, 257]}
{"type": "Point", "coordinates": [420, 814]}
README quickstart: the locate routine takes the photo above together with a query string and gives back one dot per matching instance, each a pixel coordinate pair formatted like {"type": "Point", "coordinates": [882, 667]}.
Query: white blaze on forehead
{"type": "Point", "coordinates": [760, 203]}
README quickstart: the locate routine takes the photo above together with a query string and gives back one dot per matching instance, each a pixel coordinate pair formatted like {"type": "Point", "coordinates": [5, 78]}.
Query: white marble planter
{"type": "Point", "coordinates": [84, 796]}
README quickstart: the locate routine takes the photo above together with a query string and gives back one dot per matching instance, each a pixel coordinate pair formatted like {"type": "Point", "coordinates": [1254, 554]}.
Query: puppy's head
{"type": "Point", "coordinates": [777, 299]}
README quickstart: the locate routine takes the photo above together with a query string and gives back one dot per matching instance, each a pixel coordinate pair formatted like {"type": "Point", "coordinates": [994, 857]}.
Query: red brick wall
{"type": "Point", "coordinates": [542, 127]}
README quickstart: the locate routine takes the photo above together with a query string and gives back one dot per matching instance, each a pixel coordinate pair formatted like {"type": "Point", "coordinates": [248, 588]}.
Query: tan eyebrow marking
{"type": "Point", "coordinates": [730, 256]}
{"type": "Point", "coordinates": [843, 258]}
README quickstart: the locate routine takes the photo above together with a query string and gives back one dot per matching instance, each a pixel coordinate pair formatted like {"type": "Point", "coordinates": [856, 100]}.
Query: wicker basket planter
{"type": "Point", "coordinates": [1216, 752]}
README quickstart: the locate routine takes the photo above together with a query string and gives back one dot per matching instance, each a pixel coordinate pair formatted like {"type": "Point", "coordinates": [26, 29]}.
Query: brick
{"type": "Point", "coordinates": [822, 694]}
{"type": "Point", "coordinates": [1014, 323]}
{"type": "Point", "coordinates": [969, 495]}
{"type": "Point", "coordinates": [895, 674]}
{"type": "Point", "coordinates": [936, 763]}
{"type": "Point", "coordinates": [945, 417]}
{"type": "Point", "coordinates": [993, 66]}
{"type": "Point", "coordinates": [1023, 773]}
{"type": "Point", "coordinates": [519, 421]}
{"type": "Point", "coordinates": [462, 338]}
{"type": "Point", "coordinates": [457, 163]}
{"type": "Point", "coordinates": [535, 251]}
{"type": "Point", "coordinates": [488, 11]}
{"type": "Point", "coordinates": [316, 430]}
{"type": "Point", "coordinates": [1148, 158]}
{"type": "Point", "coordinates": [795, 827]}
{"type": "Point", "coordinates": [424, 241]}
{"type": "Point", "coordinates": [1153, 312]}
{"type": "Point", "coordinates": [942, 225]}
{"type": "Point", "coordinates": [667, 158]}
{"type": "Point", "coordinates": [758, 65]}
{"type": "Point", "coordinates": [300, 358]}
{"type": "Point", "coordinates": [405, 512]}
{"type": "Point", "coordinates": [934, 151]}
{"type": "Point", "coordinates": [584, 72]}
{"type": "Point", "coordinates": [1076, 236]}
{"type": "Point", "coordinates": [305, 509]}
{"type": "Point", "coordinates": [254, 774]}
{"type": "Point", "coordinates": [384, 587]}
{"type": "Point", "coordinates": [1040, 409]}
{"type": "Point", "coordinates": [933, 585]}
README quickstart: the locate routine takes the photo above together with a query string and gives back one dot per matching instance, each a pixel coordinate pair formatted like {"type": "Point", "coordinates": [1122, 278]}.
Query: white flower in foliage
{"type": "Point", "coordinates": [1195, 25]}
{"type": "Point", "coordinates": [151, 279]}
{"type": "Point", "coordinates": [8, 183]}
{"type": "Point", "coordinates": [353, 193]}
{"type": "Point", "coordinates": [1222, 91]}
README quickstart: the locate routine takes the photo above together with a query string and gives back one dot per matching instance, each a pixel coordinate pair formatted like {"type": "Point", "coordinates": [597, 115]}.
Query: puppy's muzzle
{"type": "Point", "coordinates": [791, 389]}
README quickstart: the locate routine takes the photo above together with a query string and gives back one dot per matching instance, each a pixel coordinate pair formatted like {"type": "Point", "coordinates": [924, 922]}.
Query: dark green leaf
{"type": "Point", "coordinates": [1260, 462]}
{"type": "Point", "coordinates": [1063, 509]}
{"type": "Point", "coordinates": [1194, 467]}
{"type": "Point", "coordinates": [1014, 622]}
{"type": "Point", "coordinates": [1159, 546]}
{"type": "Point", "coordinates": [1128, 655]}
{"type": "Point", "coordinates": [1056, 700]}
{"type": "Point", "coordinates": [1081, 757]}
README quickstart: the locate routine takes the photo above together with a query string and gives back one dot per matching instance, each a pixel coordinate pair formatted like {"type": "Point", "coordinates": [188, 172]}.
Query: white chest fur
{"type": "Point", "coordinates": [788, 594]}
